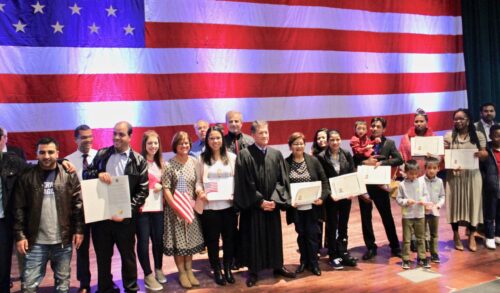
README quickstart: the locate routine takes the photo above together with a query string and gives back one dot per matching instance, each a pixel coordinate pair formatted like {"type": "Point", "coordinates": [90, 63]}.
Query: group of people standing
{"type": "Point", "coordinates": [47, 218]}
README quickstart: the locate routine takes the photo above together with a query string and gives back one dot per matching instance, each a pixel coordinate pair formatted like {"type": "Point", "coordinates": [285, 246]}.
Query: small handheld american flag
{"type": "Point", "coordinates": [182, 201]}
{"type": "Point", "coordinates": [211, 187]}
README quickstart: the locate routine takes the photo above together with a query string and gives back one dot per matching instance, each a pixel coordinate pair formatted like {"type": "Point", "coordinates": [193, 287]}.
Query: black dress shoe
{"type": "Point", "coordinates": [396, 253]}
{"type": "Point", "coordinates": [348, 260]}
{"type": "Point", "coordinates": [251, 280]}
{"type": "Point", "coordinates": [300, 268]}
{"type": "Point", "coordinates": [228, 274]}
{"type": "Point", "coordinates": [284, 272]}
{"type": "Point", "coordinates": [218, 278]}
{"type": "Point", "coordinates": [316, 271]}
{"type": "Point", "coordinates": [370, 253]}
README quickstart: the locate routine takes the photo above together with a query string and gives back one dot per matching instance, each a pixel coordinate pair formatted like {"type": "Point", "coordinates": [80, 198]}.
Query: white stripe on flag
{"type": "Point", "coordinates": [64, 116]}
{"type": "Point", "coordinates": [58, 60]}
{"type": "Point", "coordinates": [254, 14]}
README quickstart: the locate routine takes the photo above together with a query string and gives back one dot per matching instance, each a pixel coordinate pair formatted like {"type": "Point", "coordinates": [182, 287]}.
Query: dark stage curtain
{"type": "Point", "coordinates": [481, 31]}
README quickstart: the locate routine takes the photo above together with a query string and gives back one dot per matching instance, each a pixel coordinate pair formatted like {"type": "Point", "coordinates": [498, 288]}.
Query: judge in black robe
{"type": "Point", "coordinates": [261, 179]}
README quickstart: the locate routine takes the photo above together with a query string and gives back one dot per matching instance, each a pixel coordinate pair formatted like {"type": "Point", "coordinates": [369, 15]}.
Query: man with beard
{"type": "Point", "coordinates": [487, 111]}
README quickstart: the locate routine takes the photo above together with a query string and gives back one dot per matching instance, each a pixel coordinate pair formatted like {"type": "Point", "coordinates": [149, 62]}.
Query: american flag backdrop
{"type": "Point", "coordinates": [163, 64]}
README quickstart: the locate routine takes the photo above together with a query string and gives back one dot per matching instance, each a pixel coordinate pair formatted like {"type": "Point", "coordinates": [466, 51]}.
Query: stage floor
{"type": "Point", "coordinates": [457, 270]}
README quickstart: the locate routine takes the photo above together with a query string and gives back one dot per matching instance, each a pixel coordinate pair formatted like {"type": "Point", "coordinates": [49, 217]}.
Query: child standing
{"type": "Point", "coordinates": [435, 188]}
{"type": "Point", "coordinates": [360, 143]}
{"type": "Point", "coordinates": [490, 169]}
{"type": "Point", "coordinates": [413, 197]}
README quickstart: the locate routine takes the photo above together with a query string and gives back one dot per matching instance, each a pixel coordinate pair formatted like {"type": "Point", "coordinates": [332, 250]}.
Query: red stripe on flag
{"type": "Point", "coordinates": [425, 7]}
{"type": "Point", "coordinates": [181, 204]}
{"type": "Point", "coordinates": [145, 87]}
{"type": "Point", "coordinates": [279, 131]}
{"type": "Point", "coordinates": [193, 35]}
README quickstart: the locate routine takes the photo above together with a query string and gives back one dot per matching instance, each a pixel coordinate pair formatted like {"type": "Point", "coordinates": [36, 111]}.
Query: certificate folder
{"type": "Point", "coordinates": [375, 175]}
{"type": "Point", "coordinates": [343, 186]}
{"type": "Point", "coordinates": [102, 201]}
{"type": "Point", "coordinates": [305, 192]}
{"type": "Point", "coordinates": [423, 145]}
{"type": "Point", "coordinates": [463, 158]}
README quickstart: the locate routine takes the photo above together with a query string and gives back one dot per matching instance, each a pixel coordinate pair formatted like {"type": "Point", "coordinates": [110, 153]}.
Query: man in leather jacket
{"type": "Point", "coordinates": [11, 166]}
{"type": "Point", "coordinates": [48, 218]}
{"type": "Point", "coordinates": [117, 160]}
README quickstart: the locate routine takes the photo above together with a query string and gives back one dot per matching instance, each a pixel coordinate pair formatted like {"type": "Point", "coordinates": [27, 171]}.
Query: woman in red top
{"type": "Point", "coordinates": [420, 128]}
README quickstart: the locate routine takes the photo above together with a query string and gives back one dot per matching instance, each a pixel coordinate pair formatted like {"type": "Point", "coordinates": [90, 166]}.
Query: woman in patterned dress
{"type": "Point", "coordinates": [181, 238]}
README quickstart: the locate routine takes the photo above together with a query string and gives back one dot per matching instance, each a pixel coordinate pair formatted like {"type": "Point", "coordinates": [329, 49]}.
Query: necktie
{"type": "Point", "coordinates": [236, 146]}
{"type": "Point", "coordinates": [85, 163]}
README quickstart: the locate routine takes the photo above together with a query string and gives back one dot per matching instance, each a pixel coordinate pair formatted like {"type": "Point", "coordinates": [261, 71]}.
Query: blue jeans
{"type": "Point", "coordinates": [35, 264]}
{"type": "Point", "coordinates": [150, 225]}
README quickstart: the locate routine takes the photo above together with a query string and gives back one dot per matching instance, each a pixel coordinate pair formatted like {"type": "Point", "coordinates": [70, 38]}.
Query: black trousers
{"type": "Point", "coordinates": [382, 201]}
{"type": "Point", "coordinates": [337, 220]}
{"type": "Point", "coordinates": [491, 215]}
{"type": "Point", "coordinates": [82, 259]}
{"type": "Point", "coordinates": [217, 223]}
{"type": "Point", "coordinates": [105, 235]}
{"type": "Point", "coordinates": [306, 226]}
{"type": "Point", "coordinates": [5, 254]}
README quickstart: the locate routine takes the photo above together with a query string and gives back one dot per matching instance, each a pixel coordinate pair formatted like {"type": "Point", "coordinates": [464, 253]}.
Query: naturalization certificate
{"type": "Point", "coordinates": [304, 193]}
{"type": "Point", "coordinates": [423, 145]}
{"type": "Point", "coordinates": [343, 186]}
{"type": "Point", "coordinates": [154, 202]}
{"type": "Point", "coordinates": [219, 188]}
{"type": "Point", "coordinates": [375, 175]}
{"type": "Point", "coordinates": [461, 158]}
{"type": "Point", "coordinates": [102, 201]}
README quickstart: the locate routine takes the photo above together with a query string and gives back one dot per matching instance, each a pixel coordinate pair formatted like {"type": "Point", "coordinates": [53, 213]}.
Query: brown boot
{"type": "Point", "coordinates": [458, 243]}
{"type": "Point", "coordinates": [184, 280]}
{"type": "Point", "coordinates": [472, 242]}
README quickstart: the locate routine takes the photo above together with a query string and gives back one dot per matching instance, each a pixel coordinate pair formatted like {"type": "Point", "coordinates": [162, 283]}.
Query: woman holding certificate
{"type": "Point", "coordinates": [215, 187]}
{"type": "Point", "coordinates": [464, 187]}
{"type": "Point", "coordinates": [306, 168]}
{"type": "Point", "coordinates": [150, 219]}
{"type": "Point", "coordinates": [182, 235]}
{"type": "Point", "coordinates": [420, 128]}
{"type": "Point", "coordinates": [335, 162]}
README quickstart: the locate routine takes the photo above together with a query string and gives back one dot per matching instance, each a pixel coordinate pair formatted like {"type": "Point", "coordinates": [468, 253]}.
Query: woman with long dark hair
{"type": "Point", "coordinates": [320, 142]}
{"type": "Point", "coordinates": [464, 187]}
{"type": "Point", "coordinates": [218, 219]}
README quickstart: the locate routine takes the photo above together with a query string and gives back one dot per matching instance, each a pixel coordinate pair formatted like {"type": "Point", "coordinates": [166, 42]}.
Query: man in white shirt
{"type": "Point", "coordinates": [487, 111]}
{"type": "Point", "coordinates": [81, 158]}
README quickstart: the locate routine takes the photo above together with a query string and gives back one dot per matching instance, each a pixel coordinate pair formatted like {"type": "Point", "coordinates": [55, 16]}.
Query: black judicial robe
{"type": "Point", "coordinates": [259, 177]}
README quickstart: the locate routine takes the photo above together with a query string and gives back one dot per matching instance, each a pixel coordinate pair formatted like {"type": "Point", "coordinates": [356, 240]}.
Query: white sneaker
{"type": "Point", "coordinates": [160, 277]}
{"type": "Point", "coordinates": [497, 240]}
{"type": "Point", "coordinates": [151, 283]}
{"type": "Point", "coordinates": [490, 243]}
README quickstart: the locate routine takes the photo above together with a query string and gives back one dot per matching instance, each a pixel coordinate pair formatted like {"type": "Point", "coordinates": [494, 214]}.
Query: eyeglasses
{"type": "Point", "coordinates": [298, 144]}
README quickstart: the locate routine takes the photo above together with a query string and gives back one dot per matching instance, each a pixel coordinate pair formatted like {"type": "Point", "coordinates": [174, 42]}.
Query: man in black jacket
{"type": "Point", "coordinates": [11, 166]}
{"type": "Point", "coordinates": [117, 160]}
{"type": "Point", "coordinates": [48, 218]}
{"type": "Point", "coordinates": [385, 154]}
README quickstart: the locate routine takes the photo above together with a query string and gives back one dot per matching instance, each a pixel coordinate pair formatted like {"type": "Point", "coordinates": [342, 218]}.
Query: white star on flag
{"type": "Point", "coordinates": [111, 11]}
{"type": "Point", "coordinates": [2, 6]}
{"type": "Point", "coordinates": [57, 27]}
{"type": "Point", "coordinates": [75, 9]}
{"type": "Point", "coordinates": [19, 26]}
{"type": "Point", "coordinates": [129, 30]}
{"type": "Point", "coordinates": [38, 7]}
{"type": "Point", "coordinates": [94, 28]}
